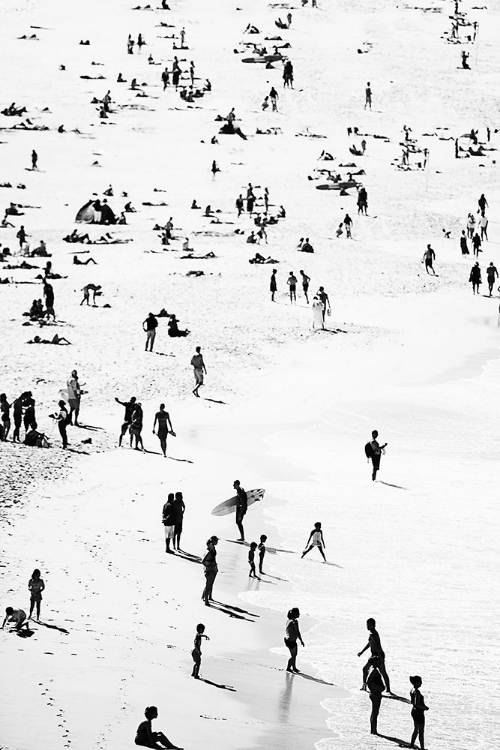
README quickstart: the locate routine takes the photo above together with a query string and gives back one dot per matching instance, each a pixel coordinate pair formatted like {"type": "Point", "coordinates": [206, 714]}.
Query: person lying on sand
{"type": "Point", "coordinates": [145, 737]}
{"type": "Point", "coordinates": [75, 237]}
{"type": "Point", "coordinates": [260, 259]}
{"type": "Point", "coordinates": [58, 340]}
{"type": "Point", "coordinates": [78, 262]}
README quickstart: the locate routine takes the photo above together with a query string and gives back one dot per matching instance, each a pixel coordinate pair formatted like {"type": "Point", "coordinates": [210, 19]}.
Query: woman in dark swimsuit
{"type": "Point", "coordinates": [291, 637]}
{"type": "Point", "coordinates": [164, 427]}
{"type": "Point", "coordinates": [145, 736]}
{"type": "Point", "coordinates": [417, 711]}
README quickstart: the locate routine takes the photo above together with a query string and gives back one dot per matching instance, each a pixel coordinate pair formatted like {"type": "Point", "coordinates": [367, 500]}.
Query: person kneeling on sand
{"type": "Point", "coordinates": [17, 617]}
{"type": "Point", "coordinates": [145, 737]}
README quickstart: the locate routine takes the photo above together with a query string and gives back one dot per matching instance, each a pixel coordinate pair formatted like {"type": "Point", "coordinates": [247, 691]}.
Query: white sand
{"type": "Point", "coordinates": [414, 356]}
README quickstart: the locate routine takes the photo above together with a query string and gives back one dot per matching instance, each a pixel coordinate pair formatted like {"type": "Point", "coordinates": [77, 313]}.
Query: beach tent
{"type": "Point", "coordinates": [86, 215]}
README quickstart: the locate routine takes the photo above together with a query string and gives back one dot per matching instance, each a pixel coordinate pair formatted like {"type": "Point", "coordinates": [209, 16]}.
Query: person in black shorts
{"type": "Point", "coordinates": [127, 419]}
{"type": "Point", "coordinates": [417, 711]}
{"type": "Point", "coordinates": [178, 510]}
{"type": "Point", "coordinates": [241, 508]}
{"type": "Point", "coordinates": [375, 686]}
{"type": "Point", "coordinates": [305, 285]}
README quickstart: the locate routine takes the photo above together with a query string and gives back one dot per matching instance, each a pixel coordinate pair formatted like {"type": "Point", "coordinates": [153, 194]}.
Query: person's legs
{"type": "Point", "coordinates": [163, 444]}
{"type": "Point", "coordinates": [177, 536]}
{"type": "Point", "coordinates": [17, 427]}
{"type": "Point", "coordinates": [421, 736]}
{"type": "Point", "coordinates": [320, 548]}
{"type": "Point", "coordinates": [292, 666]}
{"type": "Point", "coordinates": [366, 669]}
{"type": "Point", "coordinates": [62, 432]}
{"type": "Point", "coordinates": [32, 607]}
{"type": "Point", "coordinates": [305, 552]}
{"type": "Point", "coordinates": [384, 674]}
{"type": "Point", "coordinates": [6, 424]}
{"type": "Point", "coordinates": [210, 576]}
{"type": "Point", "coordinates": [123, 432]}
{"type": "Point", "coordinates": [38, 605]}
{"type": "Point", "coordinates": [414, 734]}
{"type": "Point", "coordinates": [376, 701]}
{"type": "Point", "coordinates": [239, 524]}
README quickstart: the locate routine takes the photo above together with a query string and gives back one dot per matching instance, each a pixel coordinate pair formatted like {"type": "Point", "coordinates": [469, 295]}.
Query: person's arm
{"type": "Point", "coordinates": [5, 620]}
{"type": "Point", "coordinates": [122, 403]}
{"type": "Point", "coordinates": [156, 419]}
{"type": "Point", "coordinates": [298, 633]}
{"type": "Point", "coordinates": [363, 651]}
{"type": "Point", "coordinates": [42, 585]}
{"type": "Point", "coordinates": [323, 540]}
{"type": "Point", "coordinates": [170, 422]}
{"type": "Point", "coordinates": [203, 364]}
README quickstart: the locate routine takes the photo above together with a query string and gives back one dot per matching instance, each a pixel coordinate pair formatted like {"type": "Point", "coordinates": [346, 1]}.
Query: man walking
{"type": "Point", "coordinates": [273, 286]}
{"type": "Point", "coordinates": [373, 451]}
{"type": "Point", "coordinates": [199, 370]}
{"type": "Point", "coordinates": [368, 96]}
{"type": "Point", "coordinates": [428, 258]}
{"type": "Point", "coordinates": [325, 300]}
{"type": "Point", "coordinates": [74, 397]}
{"type": "Point", "coordinates": [491, 274]}
{"type": "Point", "coordinates": [241, 508]}
{"type": "Point", "coordinates": [149, 326]}
{"type": "Point", "coordinates": [305, 285]}
{"type": "Point", "coordinates": [178, 510]}
{"type": "Point", "coordinates": [375, 646]}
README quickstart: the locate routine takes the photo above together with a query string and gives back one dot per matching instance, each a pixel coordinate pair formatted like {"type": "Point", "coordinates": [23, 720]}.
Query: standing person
{"type": "Point", "coordinates": [491, 274]}
{"type": "Point", "coordinates": [199, 370]}
{"type": "Point", "coordinates": [348, 226]}
{"type": "Point", "coordinates": [5, 411]}
{"type": "Point", "coordinates": [196, 652]}
{"type": "Point", "coordinates": [375, 647]}
{"type": "Point", "coordinates": [315, 540]}
{"type": "Point", "coordinates": [239, 205]}
{"type": "Point", "coordinates": [34, 160]}
{"type": "Point", "coordinates": [29, 410]}
{"type": "Point", "coordinates": [273, 95]}
{"type": "Point", "coordinates": [251, 560]}
{"type": "Point", "coordinates": [179, 509]}
{"type": "Point", "coordinates": [482, 203]}
{"type": "Point", "coordinates": [476, 244]}
{"type": "Point", "coordinates": [262, 552]}
{"type": "Point", "coordinates": [463, 244]}
{"type": "Point", "coordinates": [373, 452]}
{"type": "Point", "coordinates": [375, 686]}
{"type": "Point", "coordinates": [74, 397]}
{"type": "Point", "coordinates": [145, 737]}
{"type": "Point", "coordinates": [417, 711]}
{"type": "Point", "coordinates": [127, 418]}
{"type": "Point", "coordinates": [136, 425]}
{"type": "Point", "coordinates": [214, 168]}
{"type": "Point", "coordinates": [165, 77]}
{"type": "Point", "coordinates": [48, 293]}
{"type": "Point", "coordinates": [325, 301]}
{"type": "Point", "coordinates": [21, 235]}
{"type": "Point", "coordinates": [305, 285]}
{"type": "Point", "coordinates": [483, 224]}
{"type": "Point", "coordinates": [471, 223]}
{"type": "Point", "coordinates": [162, 418]}
{"type": "Point", "coordinates": [168, 521]}
{"type": "Point", "coordinates": [17, 413]}
{"type": "Point", "coordinates": [292, 635]}
{"type": "Point", "coordinates": [63, 419]}
{"type": "Point", "coordinates": [368, 95]}
{"type": "Point", "coordinates": [362, 201]}
{"type": "Point", "coordinates": [149, 326]}
{"type": "Point", "coordinates": [241, 507]}
{"type": "Point", "coordinates": [36, 586]}
{"type": "Point", "coordinates": [209, 562]}
{"type": "Point", "coordinates": [475, 278]}
{"type": "Point", "coordinates": [428, 258]}
{"type": "Point", "coordinates": [273, 286]}
{"type": "Point", "coordinates": [292, 286]}
{"type": "Point", "coordinates": [317, 309]}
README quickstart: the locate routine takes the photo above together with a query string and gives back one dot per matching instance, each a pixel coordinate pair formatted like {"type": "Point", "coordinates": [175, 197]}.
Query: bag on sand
{"type": "Point", "coordinates": [368, 450]}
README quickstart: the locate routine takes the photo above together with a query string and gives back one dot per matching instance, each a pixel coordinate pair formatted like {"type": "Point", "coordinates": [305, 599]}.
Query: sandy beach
{"type": "Point", "coordinates": [284, 407]}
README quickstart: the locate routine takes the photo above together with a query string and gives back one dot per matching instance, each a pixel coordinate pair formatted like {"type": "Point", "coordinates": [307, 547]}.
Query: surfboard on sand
{"type": "Point", "coordinates": [262, 59]}
{"type": "Point", "coordinates": [228, 506]}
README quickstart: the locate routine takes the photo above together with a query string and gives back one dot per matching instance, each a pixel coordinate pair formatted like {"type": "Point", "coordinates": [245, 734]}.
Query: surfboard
{"type": "Point", "coordinates": [228, 506]}
{"type": "Point", "coordinates": [262, 59]}
{"type": "Point", "coordinates": [336, 186]}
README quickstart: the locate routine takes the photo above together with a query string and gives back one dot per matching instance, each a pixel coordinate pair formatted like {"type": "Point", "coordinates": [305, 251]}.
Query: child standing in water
{"type": "Point", "coordinates": [262, 552]}
{"type": "Point", "coordinates": [36, 586]}
{"type": "Point", "coordinates": [315, 540]}
{"type": "Point", "coordinates": [251, 560]}
{"type": "Point", "coordinates": [417, 711]}
{"type": "Point", "coordinates": [196, 652]}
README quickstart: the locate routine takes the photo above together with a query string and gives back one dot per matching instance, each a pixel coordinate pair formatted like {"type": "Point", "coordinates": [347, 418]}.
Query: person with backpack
{"type": "Point", "coordinates": [373, 452]}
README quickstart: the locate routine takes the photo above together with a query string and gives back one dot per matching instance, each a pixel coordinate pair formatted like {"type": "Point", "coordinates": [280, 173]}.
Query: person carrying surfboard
{"type": "Point", "coordinates": [241, 507]}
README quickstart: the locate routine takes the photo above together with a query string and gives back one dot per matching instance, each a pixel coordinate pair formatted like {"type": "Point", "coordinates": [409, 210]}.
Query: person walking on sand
{"type": "Point", "coordinates": [34, 159]}
{"type": "Point", "coordinates": [428, 258]}
{"type": "Point", "coordinates": [475, 278]}
{"type": "Point", "coordinates": [368, 96]}
{"type": "Point", "coordinates": [375, 647]}
{"type": "Point", "coordinates": [373, 452]}
{"type": "Point", "coordinates": [21, 235]}
{"type": "Point", "coordinates": [482, 203]}
{"type": "Point", "coordinates": [149, 326]}
{"type": "Point", "coordinates": [136, 426]}
{"type": "Point", "coordinates": [292, 635]}
{"type": "Point", "coordinates": [273, 95]}
{"type": "Point", "coordinates": [145, 737]}
{"type": "Point", "coordinates": [241, 507]}
{"type": "Point", "coordinates": [74, 397]}
{"type": "Point", "coordinates": [17, 617]}
{"type": "Point", "coordinates": [315, 540]}
{"type": "Point", "coordinates": [127, 418]}
{"type": "Point", "coordinates": [262, 552]}
{"type": "Point", "coordinates": [348, 226]}
{"type": "Point", "coordinates": [305, 285]}
{"type": "Point", "coordinates": [209, 562]}
{"type": "Point", "coordinates": [36, 586]}
{"type": "Point", "coordinates": [471, 223]}
{"type": "Point", "coordinates": [251, 560]}
{"type": "Point", "coordinates": [375, 687]}
{"type": "Point", "coordinates": [418, 709]}
{"type": "Point", "coordinates": [273, 286]}
{"type": "Point", "coordinates": [179, 509]}
{"type": "Point", "coordinates": [196, 652]}
{"type": "Point", "coordinates": [463, 244]}
{"type": "Point", "coordinates": [325, 301]}
{"type": "Point", "coordinates": [168, 522]}
{"type": "Point", "coordinates": [317, 310]}
{"type": "Point", "coordinates": [491, 275]}
{"type": "Point", "coordinates": [483, 225]}
{"type": "Point", "coordinates": [292, 287]}
{"type": "Point", "coordinates": [162, 419]}
{"type": "Point", "coordinates": [199, 370]}
{"type": "Point", "coordinates": [476, 245]}
{"type": "Point", "coordinates": [5, 415]}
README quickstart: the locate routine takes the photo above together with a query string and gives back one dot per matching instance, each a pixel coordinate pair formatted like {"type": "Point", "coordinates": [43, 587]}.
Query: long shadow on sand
{"type": "Point", "coordinates": [401, 743]}
{"type": "Point", "coordinates": [87, 427]}
{"type": "Point", "coordinates": [164, 354]}
{"type": "Point", "coordinates": [217, 685]}
{"type": "Point", "coordinates": [188, 556]}
{"type": "Point", "coordinates": [237, 612]}
{"type": "Point", "coordinates": [312, 679]}
{"type": "Point", "coordinates": [52, 627]}
{"type": "Point", "coordinates": [388, 484]}
{"type": "Point", "coordinates": [397, 698]}
{"type": "Point", "coordinates": [214, 401]}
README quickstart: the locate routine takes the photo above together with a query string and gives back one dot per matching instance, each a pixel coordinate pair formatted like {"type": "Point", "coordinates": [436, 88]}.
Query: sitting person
{"type": "Point", "coordinates": [78, 262]}
{"type": "Point", "coordinates": [36, 310]}
{"type": "Point", "coordinates": [282, 213]}
{"type": "Point", "coordinates": [6, 223]}
{"type": "Point", "coordinates": [129, 209]}
{"type": "Point", "coordinates": [306, 247]}
{"type": "Point", "coordinates": [185, 246]}
{"type": "Point", "coordinates": [75, 237]}
{"type": "Point", "coordinates": [56, 340]}
{"type": "Point", "coordinates": [194, 204]}
{"type": "Point", "coordinates": [40, 251]}
{"type": "Point", "coordinates": [251, 239]}
{"type": "Point", "coordinates": [173, 328]}
{"type": "Point", "coordinates": [145, 737]}
{"type": "Point", "coordinates": [34, 438]}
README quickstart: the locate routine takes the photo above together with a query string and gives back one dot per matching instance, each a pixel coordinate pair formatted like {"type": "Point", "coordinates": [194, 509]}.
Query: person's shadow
{"type": "Point", "coordinates": [217, 685]}
{"type": "Point", "coordinates": [401, 743]}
